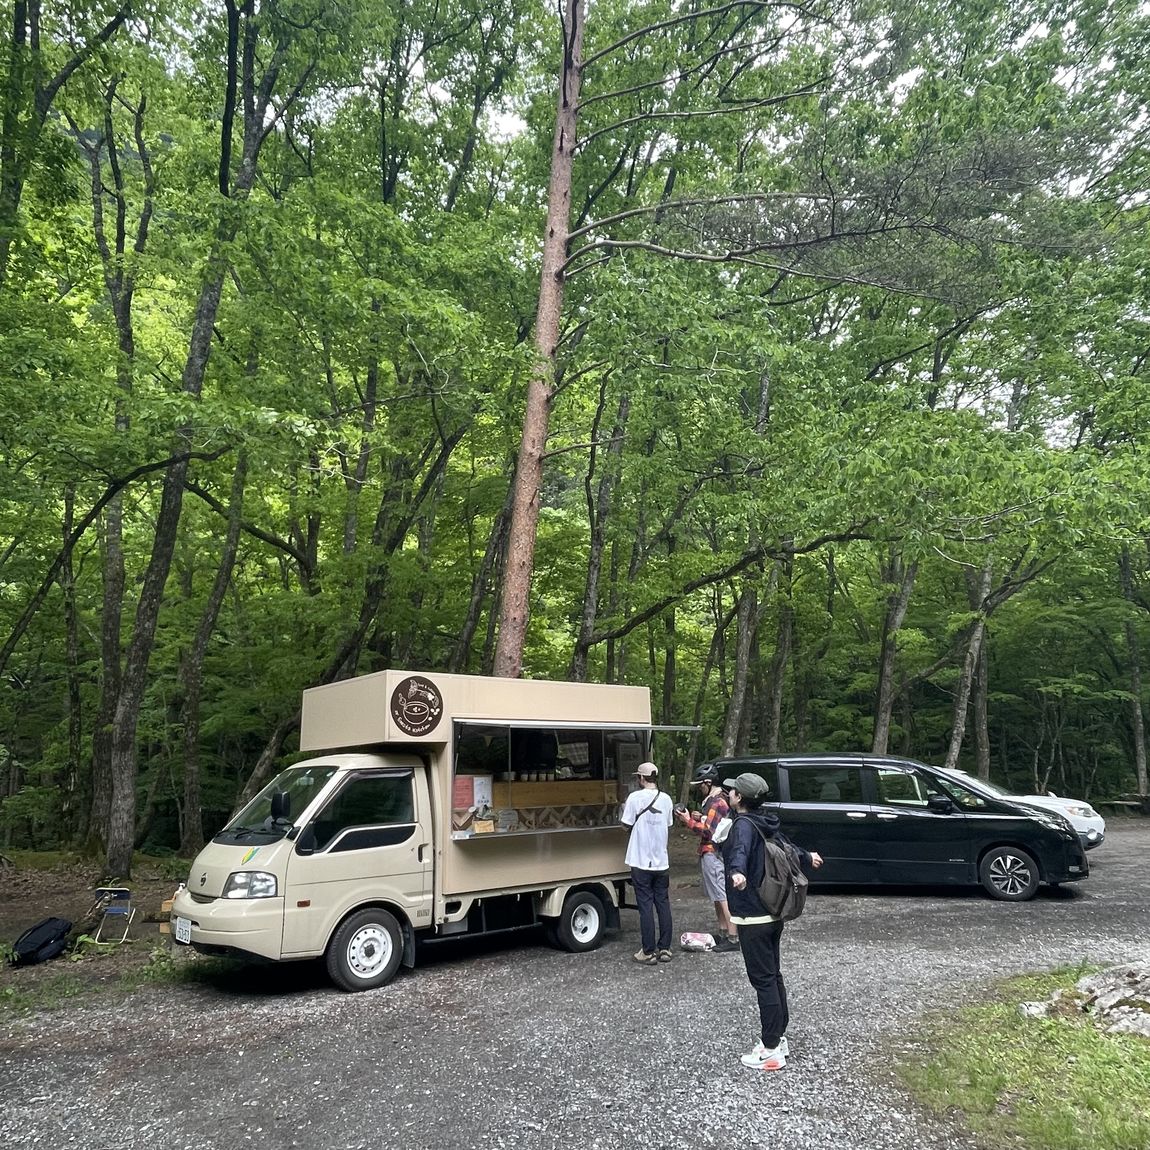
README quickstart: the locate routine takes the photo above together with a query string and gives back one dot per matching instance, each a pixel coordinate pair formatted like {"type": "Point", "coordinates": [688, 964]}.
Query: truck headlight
{"type": "Point", "coordinates": [250, 884]}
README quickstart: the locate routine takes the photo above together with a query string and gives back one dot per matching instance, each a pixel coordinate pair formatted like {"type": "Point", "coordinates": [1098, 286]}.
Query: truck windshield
{"type": "Point", "coordinates": [255, 822]}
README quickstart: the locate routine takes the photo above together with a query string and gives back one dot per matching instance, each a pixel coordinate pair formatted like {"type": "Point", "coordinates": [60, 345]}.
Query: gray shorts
{"type": "Point", "coordinates": [714, 877]}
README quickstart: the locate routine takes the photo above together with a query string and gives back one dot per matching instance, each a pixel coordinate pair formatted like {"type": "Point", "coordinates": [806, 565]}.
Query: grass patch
{"type": "Point", "coordinates": [94, 973]}
{"type": "Point", "coordinates": [45, 994]}
{"type": "Point", "coordinates": [166, 968]}
{"type": "Point", "coordinates": [1040, 1083]}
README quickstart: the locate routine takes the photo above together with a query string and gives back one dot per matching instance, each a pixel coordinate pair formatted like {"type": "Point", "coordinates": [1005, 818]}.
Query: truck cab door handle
{"type": "Point", "coordinates": [422, 848]}
{"type": "Point", "coordinates": [856, 814]}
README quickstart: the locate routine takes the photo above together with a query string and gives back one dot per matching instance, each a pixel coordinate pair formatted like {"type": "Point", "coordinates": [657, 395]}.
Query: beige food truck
{"type": "Point", "coordinates": [432, 806]}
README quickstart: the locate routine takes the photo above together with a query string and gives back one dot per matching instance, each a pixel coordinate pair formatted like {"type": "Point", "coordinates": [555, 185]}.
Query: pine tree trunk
{"type": "Point", "coordinates": [515, 606]}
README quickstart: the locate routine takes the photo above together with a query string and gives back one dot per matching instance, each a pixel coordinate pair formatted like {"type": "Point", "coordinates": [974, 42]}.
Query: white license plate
{"type": "Point", "coordinates": [184, 930]}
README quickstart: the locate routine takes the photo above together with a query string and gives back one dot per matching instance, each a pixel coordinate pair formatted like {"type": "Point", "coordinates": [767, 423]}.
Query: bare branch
{"type": "Point", "coordinates": [691, 17]}
{"type": "Point", "coordinates": [735, 106]}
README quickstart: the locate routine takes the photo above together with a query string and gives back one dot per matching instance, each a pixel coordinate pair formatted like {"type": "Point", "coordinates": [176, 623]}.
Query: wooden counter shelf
{"type": "Point", "coordinates": [559, 793]}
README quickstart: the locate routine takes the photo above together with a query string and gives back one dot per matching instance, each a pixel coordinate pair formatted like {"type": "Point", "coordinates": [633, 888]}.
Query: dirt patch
{"type": "Point", "coordinates": [29, 893]}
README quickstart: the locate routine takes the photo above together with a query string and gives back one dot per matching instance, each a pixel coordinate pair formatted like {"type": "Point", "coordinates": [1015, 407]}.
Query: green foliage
{"type": "Point", "coordinates": [1047, 1083]}
{"type": "Point", "coordinates": [913, 317]}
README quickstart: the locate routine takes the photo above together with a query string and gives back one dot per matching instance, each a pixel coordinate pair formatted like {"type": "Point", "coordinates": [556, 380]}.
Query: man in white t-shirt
{"type": "Point", "coordinates": [648, 812]}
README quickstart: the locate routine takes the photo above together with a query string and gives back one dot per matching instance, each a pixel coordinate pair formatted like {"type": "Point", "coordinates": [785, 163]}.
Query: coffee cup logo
{"type": "Point", "coordinates": [416, 706]}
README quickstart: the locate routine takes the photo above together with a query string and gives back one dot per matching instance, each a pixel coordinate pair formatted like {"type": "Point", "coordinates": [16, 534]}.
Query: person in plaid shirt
{"type": "Point", "coordinates": [705, 823]}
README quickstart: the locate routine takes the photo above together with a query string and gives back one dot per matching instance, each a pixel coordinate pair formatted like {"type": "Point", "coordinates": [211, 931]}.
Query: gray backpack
{"type": "Point", "coordinates": [784, 886]}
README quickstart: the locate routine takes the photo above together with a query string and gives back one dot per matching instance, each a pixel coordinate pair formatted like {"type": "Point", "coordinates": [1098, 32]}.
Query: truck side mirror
{"type": "Point", "coordinates": [281, 806]}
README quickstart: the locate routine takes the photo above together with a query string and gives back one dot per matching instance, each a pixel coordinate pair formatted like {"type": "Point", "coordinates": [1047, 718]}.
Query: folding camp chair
{"type": "Point", "coordinates": [118, 912]}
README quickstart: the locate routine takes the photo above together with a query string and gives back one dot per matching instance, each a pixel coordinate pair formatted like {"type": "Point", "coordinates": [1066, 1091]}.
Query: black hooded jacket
{"type": "Point", "coordinates": [743, 854]}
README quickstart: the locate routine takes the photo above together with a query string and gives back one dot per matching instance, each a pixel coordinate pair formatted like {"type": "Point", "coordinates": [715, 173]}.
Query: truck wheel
{"type": "Point", "coordinates": [1009, 873]}
{"type": "Point", "coordinates": [581, 922]}
{"type": "Point", "coordinates": [365, 951]}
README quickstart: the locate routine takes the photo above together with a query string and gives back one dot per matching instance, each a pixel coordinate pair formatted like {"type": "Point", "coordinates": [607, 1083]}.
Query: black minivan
{"type": "Point", "coordinates": [876, 819]}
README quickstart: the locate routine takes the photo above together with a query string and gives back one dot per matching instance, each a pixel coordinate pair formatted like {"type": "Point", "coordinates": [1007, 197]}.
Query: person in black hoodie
{"type": "Point", "coordinates": [759, 932]}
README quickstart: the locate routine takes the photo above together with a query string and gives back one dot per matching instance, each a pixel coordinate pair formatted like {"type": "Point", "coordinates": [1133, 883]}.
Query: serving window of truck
{"type": "Point", "coordinates": [513, 778]}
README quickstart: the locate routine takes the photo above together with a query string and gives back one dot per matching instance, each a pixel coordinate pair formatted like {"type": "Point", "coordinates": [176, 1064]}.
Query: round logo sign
{"type": "Point", "coordinates": [416, 706]}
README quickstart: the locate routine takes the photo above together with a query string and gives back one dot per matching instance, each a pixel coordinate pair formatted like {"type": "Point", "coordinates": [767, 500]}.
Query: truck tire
{"type": "Point", "coordinates": [581, 922]}
{"type": "Point", "coordinates": [1009, 873]}
{"type": "Point", "coordinates": [365, 950]}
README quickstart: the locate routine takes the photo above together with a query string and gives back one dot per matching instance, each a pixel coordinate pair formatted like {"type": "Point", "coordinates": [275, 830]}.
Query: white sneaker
{"type": "Point", "coordinates": [784, 1047]}
{"type": "Point", "coordinates": [760, 1058]}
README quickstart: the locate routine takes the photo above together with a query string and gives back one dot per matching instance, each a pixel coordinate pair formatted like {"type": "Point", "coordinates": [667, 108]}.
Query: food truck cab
{"type": "Point", "coordinates": [432, 806]}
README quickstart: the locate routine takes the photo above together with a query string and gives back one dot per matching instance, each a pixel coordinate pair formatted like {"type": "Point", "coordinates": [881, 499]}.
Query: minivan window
{"type": "Point", "coordinates": [826, 785]}
{"type": "Point", "coordinates": [900, 788]}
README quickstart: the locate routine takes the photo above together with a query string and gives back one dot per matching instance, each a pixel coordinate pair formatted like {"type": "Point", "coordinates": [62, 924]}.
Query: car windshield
{"type": "Point", "coordinates": [981, 784]}
{"type": "Point", "coordinates": [254, 822]}
{"type": "Point", "coordinates": [963, 790]}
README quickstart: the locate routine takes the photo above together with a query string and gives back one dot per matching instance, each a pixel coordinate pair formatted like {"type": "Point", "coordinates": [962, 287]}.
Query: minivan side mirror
{"type": "Point", "coordinates": [281, 806]}
{"type": "Point", "coordinates": [940, 804]}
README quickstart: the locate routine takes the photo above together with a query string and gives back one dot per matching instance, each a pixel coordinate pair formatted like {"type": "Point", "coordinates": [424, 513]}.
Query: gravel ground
{"type": "Point", "coordinates": [525, 1047]}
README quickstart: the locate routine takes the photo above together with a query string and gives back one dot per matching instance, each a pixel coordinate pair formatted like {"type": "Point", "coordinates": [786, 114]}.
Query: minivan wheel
{"type": "Point", "coordinates": [365, 951]}
{"type": "Point", "coordinates": [581, 922]}
{"type": "Point", "coordinates": [1009, 874]}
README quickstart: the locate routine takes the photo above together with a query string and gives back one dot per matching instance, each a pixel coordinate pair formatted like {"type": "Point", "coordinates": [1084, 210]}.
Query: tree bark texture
{"type": "Point", "coordinates": [1137, 721]}
{"type": "Point", "coordinates": [979, 593]}
{"type": "Point", "coordinates": [519, 565]}
{"type": "Point", "coordinates": [746, 622]}
{"type": "Point", "coordinates": [900, 577]}
{"type": "Point", "coordinates": [192, 830]}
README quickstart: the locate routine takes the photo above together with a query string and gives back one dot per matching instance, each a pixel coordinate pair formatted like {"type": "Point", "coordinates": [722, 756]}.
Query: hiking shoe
{"type": "Point", "coordinates": [643, 957]}
{"type": "Point", "coordinates": [760, 1058]}
{"type": "Point", "coordinates": [664, 956]}
{"type": "Point", "coordinates": [727, 943]}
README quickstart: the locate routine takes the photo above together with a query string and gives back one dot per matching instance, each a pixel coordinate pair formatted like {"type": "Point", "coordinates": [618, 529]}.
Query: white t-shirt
{"type": "Point", "coordinates": [647, 846]}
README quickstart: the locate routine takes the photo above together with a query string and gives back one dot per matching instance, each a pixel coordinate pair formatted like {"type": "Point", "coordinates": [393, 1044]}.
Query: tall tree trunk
{"type": "Point", "coordinates": [776, 674]}
{"type": "Point", "coordinates": [722, 622]}
{"type": "Point", "coordinates": [746, 622]}
{"type": "Point", "coordinates": [243, 58]}
{"type": "Point", "coordinates": [979, 590]}
{"type": "Point", "coordinates": [515, 607]}
{"type": "Point", "coordinates": [900, 577]}
{"type": "Point", "coordinates": [598, 509]}
{"type": "Point", "coordinates": [1137, 722]}
{"type": "Point", "coordinates": [119, 269]}
{"type": "Point", "coordinates": [192, 830]}
{"type": "Point", "coordinates": [72, 790]}
{"type": "Point", "coordinates": [981, 722]}
{"type": "Point", "coordinates": [459, 659]}
{"type": "Point", "coordinates": [268, 756]}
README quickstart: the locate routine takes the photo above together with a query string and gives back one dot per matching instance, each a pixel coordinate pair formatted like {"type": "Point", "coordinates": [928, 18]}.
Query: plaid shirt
{"type": "Point", "coordinates": [714, 810]}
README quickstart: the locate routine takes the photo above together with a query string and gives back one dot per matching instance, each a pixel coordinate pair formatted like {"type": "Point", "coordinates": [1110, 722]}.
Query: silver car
{"type": "Point", "coordinates": [1089, 824]}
